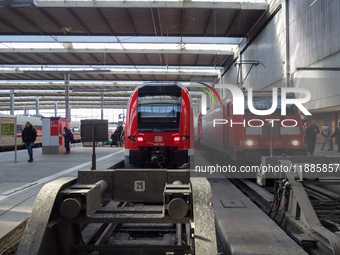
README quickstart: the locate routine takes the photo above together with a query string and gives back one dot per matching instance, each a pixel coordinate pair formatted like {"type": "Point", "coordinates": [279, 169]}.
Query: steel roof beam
{"type": "Point", "coordinates": [116, 39]}
{"type": "Point", "coordinates": [101, 15]}
{"type": "Point", "coordinates": [73, 83]}
{"type": "Point", "coordinates": [238, 5]}
{"type": "Point", "coordinates": [129, 16]}
{"type": "Point", "coordinates": [232, 23]}
{"type": "Point", "coordinates": [126, 72]}
{"type": "Point", "coordinates": [9, 25]}
{"type": "Point", "coordinates": [112, 58]}
{"type": "Point", "coordinates": [23, 17]}
{"type": "Point", "coordinates": [120, 51]}
{"type": "Point", "coordinates": [78, 20]}
{"type": "Point", "coordinates": [49, 17]}
{"type": "Point", "coordinates": [13, 60]}
{"type": "Point", "coordinates": [210, 17]}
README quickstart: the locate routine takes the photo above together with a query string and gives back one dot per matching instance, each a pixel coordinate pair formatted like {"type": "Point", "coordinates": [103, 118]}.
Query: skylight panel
{"type": "Point", "coordinates": [25, 45]}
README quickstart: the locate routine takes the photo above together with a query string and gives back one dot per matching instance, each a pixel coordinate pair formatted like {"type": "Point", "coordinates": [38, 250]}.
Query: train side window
{"type": "Point", "coordinates": [38, 129]}
{"type": "Point", "coordinates": [229, 110]}
{"type": "Point", "coordinates": [19, 128]}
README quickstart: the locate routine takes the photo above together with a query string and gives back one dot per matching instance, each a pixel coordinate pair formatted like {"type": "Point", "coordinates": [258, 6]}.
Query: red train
{"type": "Point", "coordinates": [245, 138]}
{"type": "Point", "coordinates": [159, 126]}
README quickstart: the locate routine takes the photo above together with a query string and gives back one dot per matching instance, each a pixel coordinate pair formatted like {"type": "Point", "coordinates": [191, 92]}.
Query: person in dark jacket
{"type": "Point", "coordinates": [119, 132]}
{"type": "Point", "coordinates": [67, 140]}
{"type": "Point", "coordinates": [114, 138]}
{"type": "Point", "coordinates": [29, 135]}
{"type": "Point", "coordinates": [337, 135]}
{"type": "Point", "coordinates": [311, 132]}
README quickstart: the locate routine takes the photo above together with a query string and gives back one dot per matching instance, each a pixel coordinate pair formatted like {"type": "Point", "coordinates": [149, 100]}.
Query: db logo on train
{"type": "Point", "coordinates": [158, 139]}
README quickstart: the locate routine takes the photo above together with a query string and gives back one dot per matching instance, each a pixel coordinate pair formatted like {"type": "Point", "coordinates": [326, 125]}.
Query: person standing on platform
{"type": "Point", "coordinates": [325, 132]}
{"type": "Point", "coordinates": [304, 132]}
{"type": "Point", "coordinates": [119, 132]}
{"type": "Point", "coordinates": [337, 135]}
{"type": "Point", "coordinates": [67, 141]}
{"type": "Point", "coordinates": [311, 132]}
{"type": "Point", "coordinates": [29, 135]}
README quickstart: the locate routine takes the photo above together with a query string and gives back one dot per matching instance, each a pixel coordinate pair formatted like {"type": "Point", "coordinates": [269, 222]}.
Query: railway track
{"type": "Point", "coordinates": [304, 209]}
{"type": "Point", "coordinates": [326, 205]}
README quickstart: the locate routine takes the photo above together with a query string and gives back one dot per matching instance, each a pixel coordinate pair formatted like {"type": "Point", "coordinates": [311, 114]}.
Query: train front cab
{"type": "Point", "coordinates": [248, 144]}
{"type": "Point", "coordinates": [245, 144]}
{"type": "Point", "coordinates": [159, 130]}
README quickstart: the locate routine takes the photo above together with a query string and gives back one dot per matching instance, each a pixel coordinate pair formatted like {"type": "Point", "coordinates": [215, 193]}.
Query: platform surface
{"type": "Point", "coordinates": [245, 228]}
{"type": "Point", "coordinates": [20, 182]}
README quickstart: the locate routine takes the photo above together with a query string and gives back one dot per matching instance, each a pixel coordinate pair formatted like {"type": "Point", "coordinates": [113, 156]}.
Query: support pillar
{"type": "Point", "coordinates": [11, 102]}
{"type": "Point", "coordinates": [69, 111]}
{"type": "Point", "coordinates": [55, 109]}
{"type": "Point", "coordinates": [102, 104]}
{"type": "Point", "coordinates": [37, 106]}
{"type": "Point", "coordinates": [67, 94]}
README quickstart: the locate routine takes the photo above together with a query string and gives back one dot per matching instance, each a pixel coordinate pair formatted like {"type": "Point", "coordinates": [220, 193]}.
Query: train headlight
{"type": "Point", "coordinates": [140, 139]}
{"type": "Point", "coordinates": [294, 142]}
{"type": "Point", "coordinates": [251, 143]}
{"type": "Point", "coordinates": [136, 138]}
{"type": "Point", "coordinates": [180, 138]}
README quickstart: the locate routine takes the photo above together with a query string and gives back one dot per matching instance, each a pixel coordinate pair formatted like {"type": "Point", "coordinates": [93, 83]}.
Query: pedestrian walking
{"type": "Point", "coordinates": [28, 136]}
{"type": "Point", "coordinates": [311, 132]}
{"type": "Point", "coordinates": [325, 132]}
{"type": "Point", "coordinates": [67, 136]}
{"type": "Point", "coordinates": [337, 135]}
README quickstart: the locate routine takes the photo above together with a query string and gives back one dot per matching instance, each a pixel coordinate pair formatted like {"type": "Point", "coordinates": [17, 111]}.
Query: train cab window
{"type": "Point", "coordinates": [264, 101]}
{"type": "Point", "coordinates": [159, 109]}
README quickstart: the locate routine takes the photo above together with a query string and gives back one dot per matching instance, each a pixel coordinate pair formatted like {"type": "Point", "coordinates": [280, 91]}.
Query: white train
{"type": "Point", "coordinates": [7, 144]}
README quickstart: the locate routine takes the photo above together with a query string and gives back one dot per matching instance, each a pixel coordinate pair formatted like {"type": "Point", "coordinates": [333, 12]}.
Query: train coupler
{"type": "Point", "coordinates": [144, 201]}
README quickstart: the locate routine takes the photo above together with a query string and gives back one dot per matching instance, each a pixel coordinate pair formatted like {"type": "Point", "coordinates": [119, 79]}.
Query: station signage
{"type": "Point", "coordinates": [7, 128]}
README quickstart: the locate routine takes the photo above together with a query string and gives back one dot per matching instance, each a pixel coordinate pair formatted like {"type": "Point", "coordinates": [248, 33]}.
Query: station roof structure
{"type": "Point", "coordinates": [113, 46]}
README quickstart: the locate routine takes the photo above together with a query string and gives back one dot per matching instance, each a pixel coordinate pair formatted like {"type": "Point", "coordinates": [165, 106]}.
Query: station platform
{"type": "Point", "coordinates": [21, 182]}
{"type": "Point", "coordinates": [325, 152]}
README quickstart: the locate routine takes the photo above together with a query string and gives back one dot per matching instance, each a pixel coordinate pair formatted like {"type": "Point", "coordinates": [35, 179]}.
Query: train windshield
{"type": "Point", "coordinates": [264, 101]}
{"type": "Point", "coordinates": [159, 108]}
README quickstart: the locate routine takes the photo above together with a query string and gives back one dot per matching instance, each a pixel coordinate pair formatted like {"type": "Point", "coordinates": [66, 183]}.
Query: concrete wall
{"type": "Point", "coordinates": [315, 42]}
{"type": "Point", "coordinates": [314, 31]}
{"type": "Point", "coordinates": [268, 48]}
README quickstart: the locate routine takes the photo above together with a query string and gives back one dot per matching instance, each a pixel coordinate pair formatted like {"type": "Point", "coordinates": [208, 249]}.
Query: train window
{"type": "Point", "coordinates": [19, 128]}
{"type": "Point", "coordinates": [264, 101]}
{"type": "Point", "coordinates": [159, 110]}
